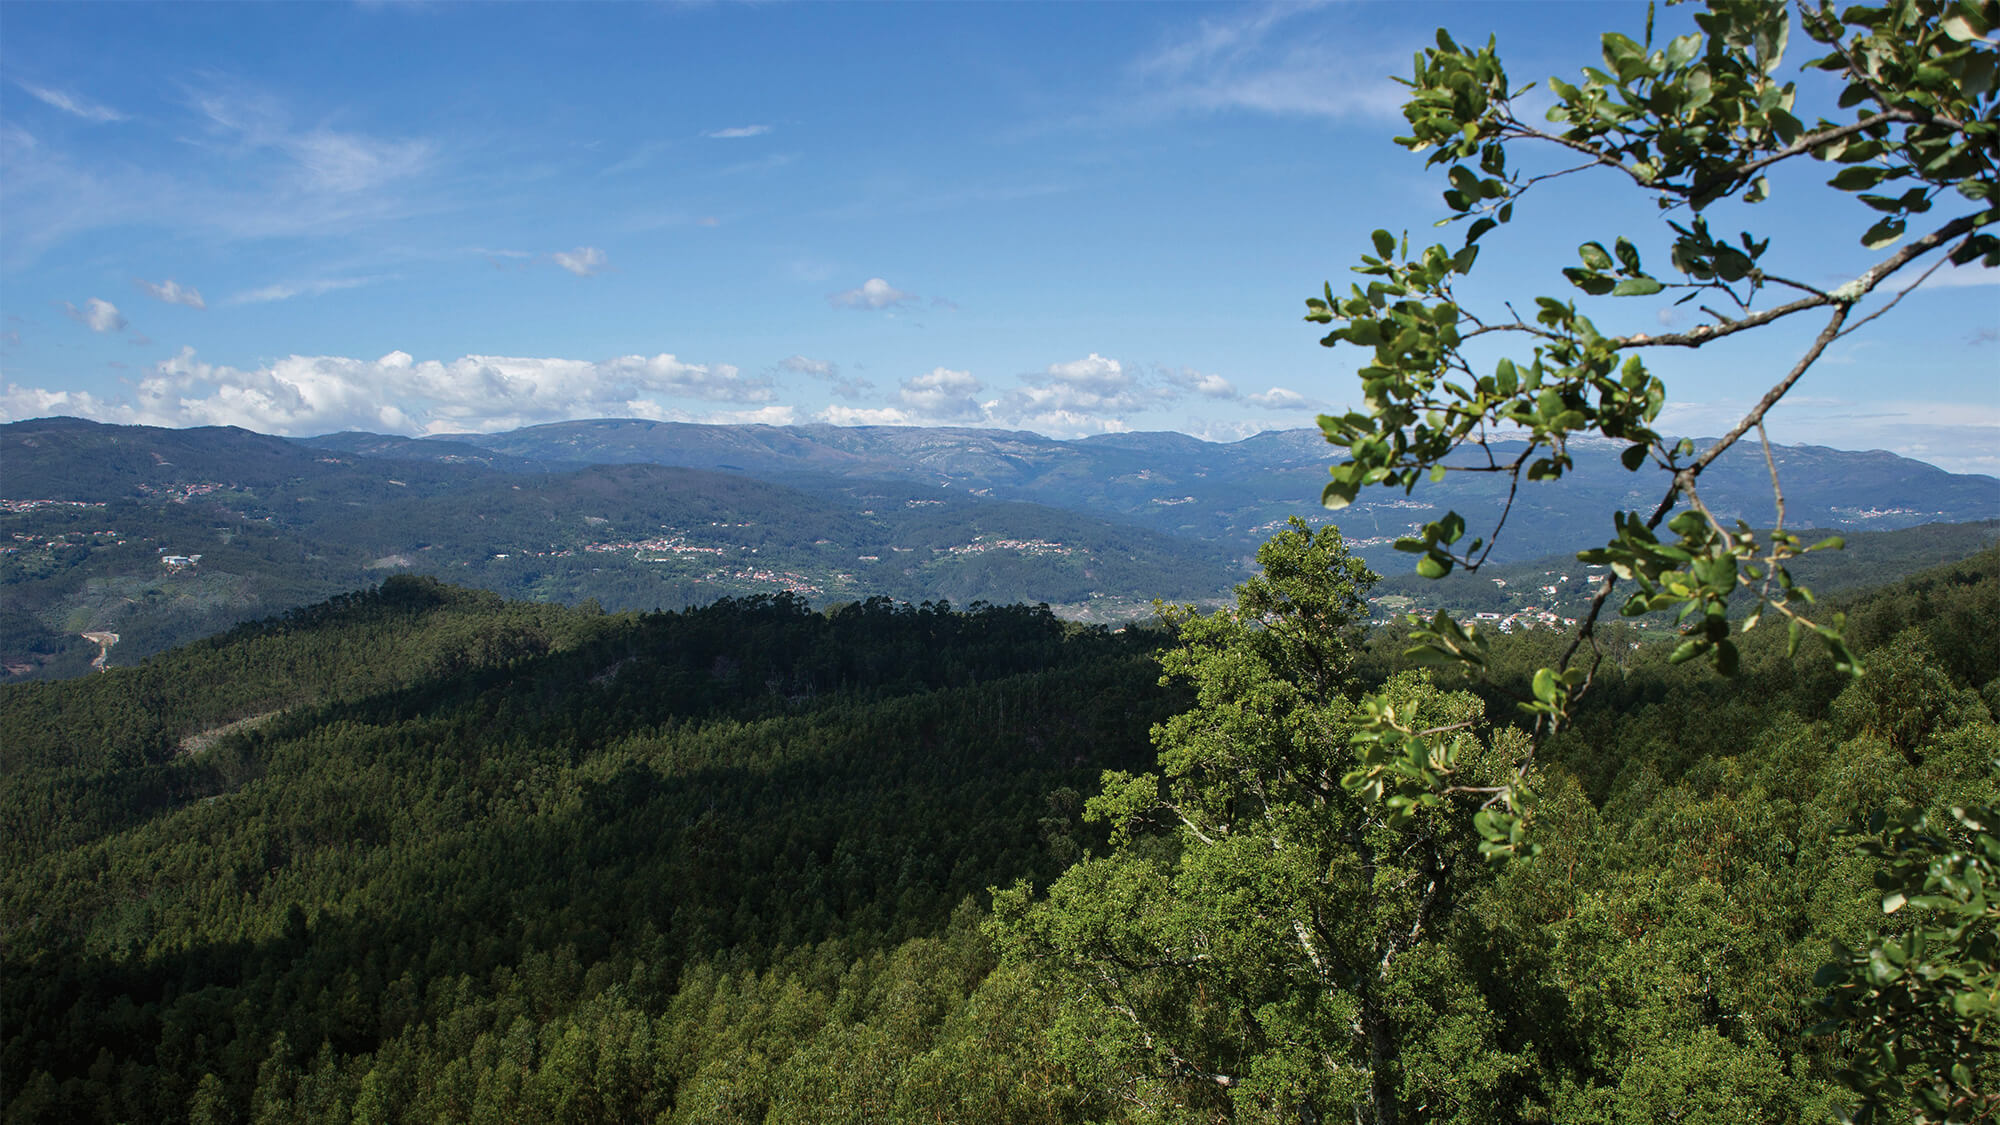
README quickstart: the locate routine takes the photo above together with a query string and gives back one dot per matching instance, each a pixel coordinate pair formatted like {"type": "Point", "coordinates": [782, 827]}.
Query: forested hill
{"type": "Point", "coordinates": [424, 811]}
{"type": "Point", "coordinates": [422, 854]}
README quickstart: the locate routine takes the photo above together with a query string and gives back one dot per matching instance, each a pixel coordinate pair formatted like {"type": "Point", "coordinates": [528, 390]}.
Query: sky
{"type": "Point", "coordinates": [1068, 218]}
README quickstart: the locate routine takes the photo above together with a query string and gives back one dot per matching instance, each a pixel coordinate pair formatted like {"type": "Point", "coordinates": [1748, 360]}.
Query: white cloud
{"type": "Point", "coordinates": [582, 261]}
{"type": "Point", "coordinates": [1081, 394]}
{"type": "Point", "coordinates": [1205, 385]}
{"type": "Point", "coordinates": [97, 314]}
{"type": "Point", "coordinates": [399, 394]}
{"type": "Point", "coordinates": [1278, 398]}
{"type": "Point", "coordinates": [72, 104]}
{"type": "Point", "coordinates": [944, 395]}
{"type": "Point", "coordinates": [774, 415]}
{"type": "Point", "coordinates": [874, 293]}
{"type": "Point", "coordinates": [286, 290]}
{"type": "Point", "coordinates": [838, 415]}
{"type": "Point", "coordinates": [173, 292]}
{"type": "Point", "coordinates": [17, 403]}
{"type": "Point", "coordinates": [738, 131]}
{"type": "Point", "coordinates": [1214, 429]}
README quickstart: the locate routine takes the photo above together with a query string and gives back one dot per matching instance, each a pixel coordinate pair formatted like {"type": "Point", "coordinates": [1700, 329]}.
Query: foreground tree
{"type": "Point", "coordinates": [1701, 119]}
{"type": "Point", "coordinates": [1259, 939]}
{"type": "Point", "coordinates": [1698, 120]}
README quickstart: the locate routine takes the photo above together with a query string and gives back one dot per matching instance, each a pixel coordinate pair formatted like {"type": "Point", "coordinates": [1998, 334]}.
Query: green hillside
{"type": "Point", "coordinates": [422, 854]}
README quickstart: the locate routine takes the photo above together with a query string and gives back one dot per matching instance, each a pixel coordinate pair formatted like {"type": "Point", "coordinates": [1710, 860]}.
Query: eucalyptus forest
{"type": "Point", "coordinates": [1719, 850]}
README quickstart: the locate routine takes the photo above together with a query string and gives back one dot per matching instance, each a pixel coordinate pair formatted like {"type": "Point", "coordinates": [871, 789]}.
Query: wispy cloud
{"type": "Point", "coordinates": [286, 290]}
{"type": "Point", "coordinates": [1958, 277]}
{"type": "Point", "coordinates": [97, 314]}
{"type": "Point", "coordinates": [72, 104]}
{"type": "Point", "coordinates": [582, 261]}
{"type": "Point", "coordinates": [845, 386]}
{"type": "Point", "coordinates": [1267, 60]}
{"type": "Point", "coordinates": [258, 175]}
{"type": "Point", "coordinates": [737, 132]}
{"type": "Point", "coordinates": [172, 292]}
{"type": "Point", "coordinates": [320, 160]}
{"type": "Point", "coordinates": [1201, 383]}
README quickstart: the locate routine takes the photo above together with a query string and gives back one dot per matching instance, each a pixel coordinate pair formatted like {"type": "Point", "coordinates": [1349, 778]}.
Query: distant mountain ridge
{"type": "Point", "coordinates": [641, 514]}
{"type": "Point", "coordinates": [1235, 492]}
{"type": "Point", "coordinates": [163, 536]}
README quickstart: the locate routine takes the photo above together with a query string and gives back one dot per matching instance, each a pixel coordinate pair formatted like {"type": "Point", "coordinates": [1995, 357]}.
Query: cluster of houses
{"type": "Point", "coordinates": [1024, 546]}
{"type": "Point", "coordinates": [19, 506]}
{"type": "Point", "coordinates": [1529, 618]}
{"type": "Point", "coordinates": [665, 545]}
{"type": "Point", "coordinates": [181, 493]}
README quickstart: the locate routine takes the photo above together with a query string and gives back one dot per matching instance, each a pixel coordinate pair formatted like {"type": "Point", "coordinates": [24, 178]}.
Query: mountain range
{"type": "Point", "coordinates": [160, 536]}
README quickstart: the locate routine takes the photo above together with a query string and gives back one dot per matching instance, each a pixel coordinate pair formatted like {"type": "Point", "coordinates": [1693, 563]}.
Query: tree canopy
{"type": "Point", "coordinates": [1701, 118]}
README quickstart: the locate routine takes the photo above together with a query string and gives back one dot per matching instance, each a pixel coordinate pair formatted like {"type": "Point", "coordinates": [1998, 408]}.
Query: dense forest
{"type": "Point", "coordinates": [421, 854]}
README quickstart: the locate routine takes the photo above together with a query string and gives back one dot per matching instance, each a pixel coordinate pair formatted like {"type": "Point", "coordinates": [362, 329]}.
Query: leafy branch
{"type": "Point", "coordinates": [1700, 119]}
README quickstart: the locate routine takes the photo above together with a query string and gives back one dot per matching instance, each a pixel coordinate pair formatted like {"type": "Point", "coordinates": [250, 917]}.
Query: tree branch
{"type": "Point", "coordinates": [1847, 294]}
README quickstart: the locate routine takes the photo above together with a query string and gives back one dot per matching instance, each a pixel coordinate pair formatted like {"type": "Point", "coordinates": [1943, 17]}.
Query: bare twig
{"type": "Point", "coordinates": [1897, 299]}
{"type": "Point", "coordinates": [1771, 463]}
{"type": "Point", "coordinates": [1756, 416]}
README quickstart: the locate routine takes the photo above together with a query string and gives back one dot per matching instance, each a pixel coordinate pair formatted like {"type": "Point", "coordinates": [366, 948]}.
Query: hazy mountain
{"type": "Point", "coordinates": [652, 514]}
{"type": "Point", "coordinates": [1235, 492]}
{"type": "Point", "coordinates": [162, 536]}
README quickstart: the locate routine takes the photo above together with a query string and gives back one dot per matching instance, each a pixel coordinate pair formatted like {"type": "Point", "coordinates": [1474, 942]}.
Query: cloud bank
{"type": "Point", "coordinates": [302, 395]}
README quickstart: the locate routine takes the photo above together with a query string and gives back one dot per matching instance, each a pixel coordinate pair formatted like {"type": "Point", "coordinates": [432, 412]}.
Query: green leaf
{"type": "Point", "coordinates": [1430, 566]}
{"type": "Point", "coordinates": [1594, 255]}
{"type": "Point", "coordinates": [1637, 287]}
{"type": "Point", "coordinates": [1860, 177]}
{"type": "Point", "coordinates": [1385, 244]}
{"type": "Point", "coordinates": [1682, 50]}
{"type": "Point", "coordinates": [1545, 685]}
{"type": "Point", "coordinates": [1628, 255]}
{"type": "Point", "coordinates": [1883, 233]}
{"type": "Point", "coordinates": [1959, 29]}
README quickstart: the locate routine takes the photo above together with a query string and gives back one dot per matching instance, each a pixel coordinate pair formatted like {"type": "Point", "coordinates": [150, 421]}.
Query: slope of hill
{"type": "Point", "coordinates": [419, 854]}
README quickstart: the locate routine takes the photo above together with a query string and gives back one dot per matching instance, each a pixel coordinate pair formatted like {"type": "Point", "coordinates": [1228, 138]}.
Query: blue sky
{"type": "Point", "coordinates": [1067, 218]}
